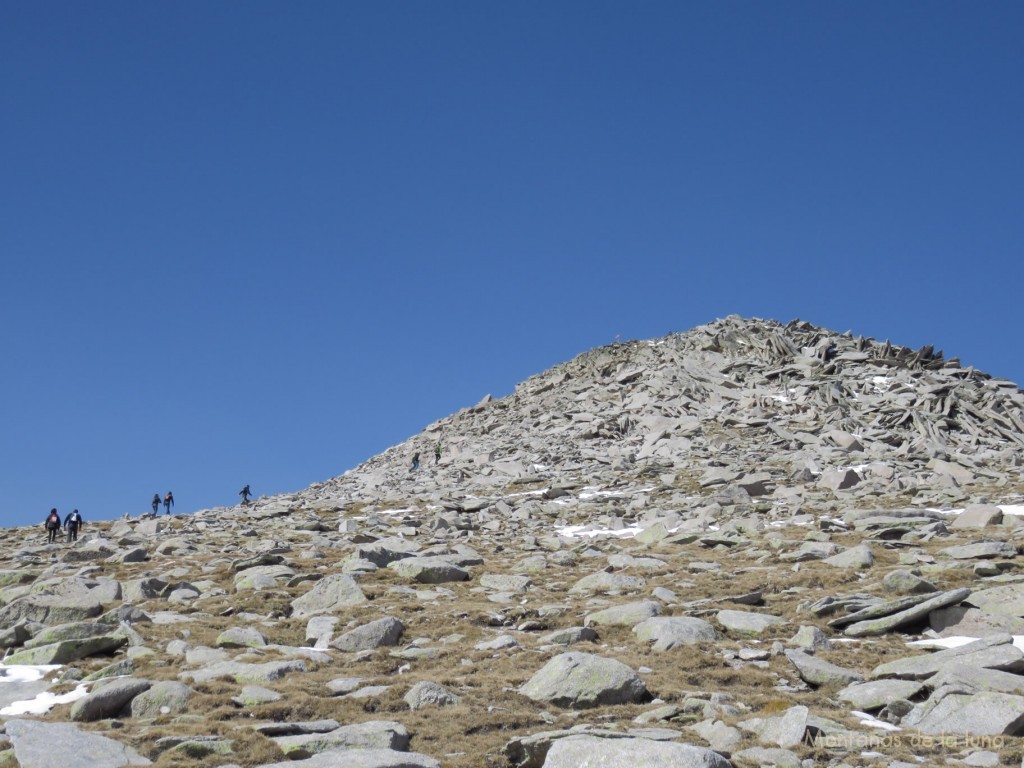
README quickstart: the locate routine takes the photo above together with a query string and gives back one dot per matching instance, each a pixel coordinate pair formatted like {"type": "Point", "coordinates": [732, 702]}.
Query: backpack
{"type": "Point", "coordinates": [75, 518]}
{"type": "Point", "coordinates": [53, 521]}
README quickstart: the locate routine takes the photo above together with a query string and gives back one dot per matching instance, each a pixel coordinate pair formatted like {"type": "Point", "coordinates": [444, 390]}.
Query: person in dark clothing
{"type": "Point", "coordinates": [245, 493]}
{"type": "Point", "coordinates": [168, 502]}
{"type": "Point", "coordinates": [72, 523]}
{"type": "Point", "coordinates": [437, 452]}
{"type": "Point", "coordinates": [156, 503]}
{"type": "Point", "coordinates": [415, 461]}
{"type": "Point", "coordinates": [52, 526]}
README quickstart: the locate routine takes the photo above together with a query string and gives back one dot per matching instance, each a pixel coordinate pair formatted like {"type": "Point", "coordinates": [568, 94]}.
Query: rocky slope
{"type": "Point", "coordinates": [710, 549]}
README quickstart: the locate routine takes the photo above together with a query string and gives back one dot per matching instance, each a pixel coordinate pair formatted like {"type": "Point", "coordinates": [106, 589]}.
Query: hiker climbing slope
{"type": "Point", "coordinates": [72, 523]}
{"type": "Point", "coordinates": [52, 526]}
{"type": "Point", "coordinates": [168, 502]}
{"type": "Point", "coordinates": [245, 493]}
{"type": "Point", "coordinates": [156, 503]}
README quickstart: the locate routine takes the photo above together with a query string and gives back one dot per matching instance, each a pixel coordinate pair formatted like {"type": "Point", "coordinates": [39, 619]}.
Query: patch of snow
{"type": "Point", "coordinates": [42, 703]}
{"type": "Point", "coordinates": [580, 531]}
{"type": "Point", "coordinates": [936, 643]}
{"type": "Point", "coordinates": [25, 673]}
{"type": "Point", "coordinates": [1012, 509]}
{"type": "Point", "coordinates": [873, 722]}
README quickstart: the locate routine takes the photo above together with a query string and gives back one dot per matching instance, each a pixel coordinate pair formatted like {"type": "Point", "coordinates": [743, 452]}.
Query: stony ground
{"type": "Point", "coordinates": [724, 539]}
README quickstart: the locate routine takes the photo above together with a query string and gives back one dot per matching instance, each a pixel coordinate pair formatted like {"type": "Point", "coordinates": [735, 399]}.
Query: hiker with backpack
{"type": "Point", "coordinates": [437, 453]}
{"type": "Point", "coordinates": [72, 523]}
{"type": "Point", "coordinates": [156, 503]}
{"type": "Point", "coordinates": [52, 526]}
{"type": "Point", "coordinates": [245, 493]}
{"type": "Point", "coordinates": [168, 502]}
{"type": "Point", "coordinates": [415, 461]}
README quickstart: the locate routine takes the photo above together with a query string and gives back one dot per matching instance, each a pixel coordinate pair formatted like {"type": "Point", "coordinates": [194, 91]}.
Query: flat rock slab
{"type": "Point", "coordinates": [67, 651]}
{"type": "Point", "coordinates": [875, 694]}
{"type": "Point", "coordinates": [45, 745]}
{"type": "Point", "coordinates": [818, 672]}
{"type": "Point", "coordinates": [595, 752]}
{"type": "Point", "coordinates": [668, 632]}
{"type": "Point", "coordinates": [980, 550]}
{"type": "Point", "coordinates": [908, 616]}
{"type": "Point", "coordinates": [109, 700]}
{"type": "Point", "coordinates": [985, 713]}
{"type": "Point", "coordinates": [607, 583]}
{"type": "Point", "coordinates": [360, 758]}
{"type": "Point", "coordinates": [429, 570]}
{"type": "Point", "coordinates": [977, 678]}
{"type": "Point", "coordinates": [580, 680]}
{"type": "Point", "coordinates": [997, 652]}
{"type": "Point", "coordinates": [786, 730]}
{"type": "Point", "coordinates": [329, 594]}
{"type": "Point", "coordinates": [376, 634]}
{"type": "Point", "coordinates": [375, 734]}
{"type": "Point", "coordinates": [627, 615]}
{"type": "Point", "coordinates": [1004, 600]}
{"type": "Point", "coordinates": [252, 674]}
{"type": "Point", "coordinates": [747, 623]}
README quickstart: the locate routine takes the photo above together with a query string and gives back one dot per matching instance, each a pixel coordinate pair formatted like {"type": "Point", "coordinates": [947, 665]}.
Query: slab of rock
{"type": "Point", "coordinates": [376, 634]}
{"type": "Point", "coordinates": [109, 700]}
{"type": "Point", "coordinates": [580, 680]}
{"type": "Point", "coordinates": [786, 730]}
{"type": "Point", "coordinates": [816, 671]}
{"type": "Point", "coordinates": [429, 570]}
{"type": "Point", "coordinates": [964, 621]}
{"type": "Point", "coordinates": [721, 736]}
{"type": "Point", "coordinates": [860, 556]}
{"type": "Point", "coordinates": [67, 651]}
{"type": "Point", "coordinates": [983, 713]}
{"type": "Point", "coordinates": [875, 694]}
{"type": "Point", "coordinates": [166, 697]}
{"type": "Point", "coordinates": [328, 595]}
{"type": "Point", "coordinates": [375, 734]}
{"type": "Point", "coordinates": [595, 752]}
{"type": "Point", "coordinates": [39, 744]}
{"type": "Point", "coordinates": [627, 615]}
{"type": "Point", "coordinates": [607, 583]}
{"type": "Point", "coordinates": [910, 615]}
{"type": "Point", "coordinates": [1004, 600]}
{"type": "Point", "coordinates": [747, 623]}
{"type": "Point", "coordinates": [241, 637]}
{"type": "Point", "coordinates": [568, 636]}
{"type": "Point", "coordinates": [243, 673]}
{"type": "Point", "coordinates": [360, 758]}
{"type": "Point", "coordinates": [50, 609]}
{"type": "Point", "coordinates": [427, 694]}
{"type": "Point", "coordinates": [501, 582]}
{"type": "Point", "coordinates": [668, 632]}
{"type": "Point", "coordinates": [996, 652]}
{"type": "Point", "coordinates": [904, 582]}
{"type": "Point", "coordinates": [978, 516]}
{"type": "Point", "coordinates": [980, 550]}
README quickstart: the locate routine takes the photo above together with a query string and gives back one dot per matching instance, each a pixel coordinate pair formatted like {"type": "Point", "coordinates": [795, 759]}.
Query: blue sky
{"type": "Point", "coordinates": [261, 242]}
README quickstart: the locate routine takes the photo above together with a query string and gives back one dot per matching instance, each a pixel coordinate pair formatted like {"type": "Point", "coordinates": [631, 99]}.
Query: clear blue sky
{"type": "Point", "coordinates": [261, 242]}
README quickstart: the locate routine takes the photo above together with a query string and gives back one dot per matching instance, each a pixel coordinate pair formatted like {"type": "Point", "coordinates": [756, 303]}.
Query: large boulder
{"type": "Point", "coordinates": [580, 680]}
{"type": "Point", "coordinates": [375, 734]}
{"type": "Point", "coordinates": [328, 595]}
{"type": "Point", "coordinates": [596, 752]}
{"type": "Point", "coordinates": [627, 615]}
{"type": "Point", "coordinates": [429, 570]}
{"type": "Point", "coordinates": [109, 700]}
{"type": "Point", "coordinates": [376, 634]}
{"type": "Point", "coordinates": [166, 697]}
{"type": "Point", "coordinates": [668, 632]}
{"type": "Point", "coordinates": [39, 744]}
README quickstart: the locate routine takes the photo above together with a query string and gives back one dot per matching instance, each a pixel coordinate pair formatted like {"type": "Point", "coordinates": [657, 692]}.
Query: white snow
{"type": "Point", "coordinates": [941, 643]}
{"type": "Point", "coordinates": [872, 722]}
{"type": "Point", "coordinates": [41, 704]}
{"type": "Point", "coordinates": [579, 531]}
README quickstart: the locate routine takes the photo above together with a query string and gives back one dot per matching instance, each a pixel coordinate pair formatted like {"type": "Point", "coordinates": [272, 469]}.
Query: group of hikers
{"type": "Point", "coordinates": [71, 525]}
{"type": "Point", "coordinates": [416, 457]}
{"type": "Point", "coordinates": [168, 502]}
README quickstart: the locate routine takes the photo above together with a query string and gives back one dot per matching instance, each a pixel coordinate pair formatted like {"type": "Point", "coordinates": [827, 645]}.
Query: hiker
{"type": "Point", "coordinates": [168, 502]}
{"type": "Point", "coordinates": [245, 493]}
{"type": "Point", "coordinates": [72, 523]}
{"type": "Point", "coordinates": [415, 461]}
{"type": "Point", "coordinates": [437, 453]}
{"type": "Point", "coordinates": [52, 526]}
{"type": "Point", "coordinates": [156, 503]}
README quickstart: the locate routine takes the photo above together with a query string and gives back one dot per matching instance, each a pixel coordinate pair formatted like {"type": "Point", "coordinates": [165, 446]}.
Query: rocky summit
{"type": "Point", "coordinates": [749, 544]}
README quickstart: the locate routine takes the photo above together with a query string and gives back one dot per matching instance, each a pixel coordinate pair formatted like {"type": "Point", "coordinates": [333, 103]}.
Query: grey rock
{"type": "Point", "coordinates": [500, 582]}
{"type": "Point", "coordinates": [875, 694]}
{"type": "Point", "coordinates": [162, 698]}
{"type": "Point", "coordinates": [108, 700]}
{"type": "Point", "coordinates": [978, 516]}
{"type": "Point", "coordinates": [965, 621]}
{"type": "Point", "coordinates": [427, 694]}
{"type": "Point", "coordinates": [1003, 600]}
{"type": "Point", "coordinates": [595, 752]}
{"type": "Point", "coordinates": [360, 758]}
{"type": "Point", "coordinates": [747, 623]}
{"type": "Point", "coordinates": [904, 582]}
{"type": "Point", "coordinates": [376, 634]}
{"type": "Point", "coordinates": [40, 744]}
{"type": "Point", "coordinates": [328, 595]}
{"type": "Point", "coordinates": [976, 678]}
{"type": "Point", "coordinates": [786, 730]}
{"type": "Point", "coordinates": [810, 638]}
{"type": "Point", "coordinates": [984, 713]}
{"type": "Point", "coordinates": [818, 672]}
{"type": "Point", "coordinates": [241, 637]}
{"type": "Point", "coordinates": [916, 613]}
{"type": "Point", "coordinates": [980, 550]}
{"type": "Point", "coordinates": [375, 734]}
{"type": "Point", "coordinates": [627, 615]}
{"type": "Point", "coordinates": [668, 632]}
{"type": "Point", "coordinates": [860, 556]}
{"type": "Point", "coordinates": [241, 672]}
{"type": "Point", "coordinates": [568, 636]}
{"type": "Point", "coordinates": [67, 651]}
{"type": "Point", "coordinates": [254, 695]}
{"type": "Point", "coordinates": [607, 583]}
{"type": "Point", "coordinates": [996, 652]}
{"type": "Point", "coordinates": [771, 757]}
{"type": "Point", "coordinates": [721, 737]}
{"type": "Point", "coordinates": [429, 570]}
{"type": "Point", "coordinates": [580, 680]}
